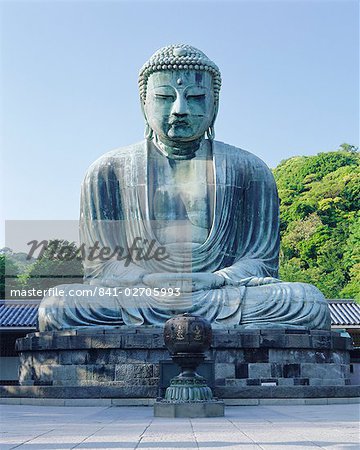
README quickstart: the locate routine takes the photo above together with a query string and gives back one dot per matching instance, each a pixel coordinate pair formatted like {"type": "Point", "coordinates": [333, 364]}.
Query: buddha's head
{"type": "Point", "coordinates": [179, 92]}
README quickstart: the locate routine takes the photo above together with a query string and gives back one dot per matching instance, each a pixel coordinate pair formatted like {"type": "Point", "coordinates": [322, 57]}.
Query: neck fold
{"type": "Point", "coordinates": [178, 150]}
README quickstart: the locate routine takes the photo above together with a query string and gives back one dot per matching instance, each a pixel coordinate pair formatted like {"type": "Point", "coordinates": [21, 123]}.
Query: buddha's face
{"type": "Point", "coordinates": [179, 104]}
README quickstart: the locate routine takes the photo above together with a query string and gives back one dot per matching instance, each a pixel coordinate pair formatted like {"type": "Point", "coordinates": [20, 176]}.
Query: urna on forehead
{"type": "Point", "coordinates": [182, 58]}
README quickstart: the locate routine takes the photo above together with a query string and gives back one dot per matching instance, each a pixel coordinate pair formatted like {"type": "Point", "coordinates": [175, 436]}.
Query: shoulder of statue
{"type": "Point", "coordinates": [115, 157]}
{"type": "Point", "coordinates": [240, 155]}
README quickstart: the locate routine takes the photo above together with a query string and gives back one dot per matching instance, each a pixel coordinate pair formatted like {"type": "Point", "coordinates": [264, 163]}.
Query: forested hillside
{"type": "Point", "coordinates": [320, 221]}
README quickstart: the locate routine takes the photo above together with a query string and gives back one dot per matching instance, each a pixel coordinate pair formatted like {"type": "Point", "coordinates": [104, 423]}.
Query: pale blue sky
{"type": "Point", "coordinates": [290, 83]}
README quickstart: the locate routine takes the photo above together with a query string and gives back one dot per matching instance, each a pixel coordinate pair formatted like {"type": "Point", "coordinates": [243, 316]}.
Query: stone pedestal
{"type": "Point", "coordinates": [214, 408]}
{"type": "Point", "coordinates": [128, 358]}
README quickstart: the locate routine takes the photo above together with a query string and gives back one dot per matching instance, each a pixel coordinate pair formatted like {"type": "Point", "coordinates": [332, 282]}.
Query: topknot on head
{"type": "Point", "coordinates": [178, 57]}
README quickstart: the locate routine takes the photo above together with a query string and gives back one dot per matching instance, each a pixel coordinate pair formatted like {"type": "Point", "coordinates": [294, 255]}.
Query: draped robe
{"type": "Point", "coordinates": [242, 246]}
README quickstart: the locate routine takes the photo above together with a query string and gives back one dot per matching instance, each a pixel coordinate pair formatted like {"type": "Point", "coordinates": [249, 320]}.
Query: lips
{"type": "Point", "coordinates": [179, 123]}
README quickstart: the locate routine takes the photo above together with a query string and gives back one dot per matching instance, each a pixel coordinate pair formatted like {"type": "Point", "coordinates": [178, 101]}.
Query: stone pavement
{"type": "Point", "coordinates": [265, 427]}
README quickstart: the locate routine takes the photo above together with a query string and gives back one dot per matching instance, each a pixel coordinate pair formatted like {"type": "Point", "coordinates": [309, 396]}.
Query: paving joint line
{"type": "Point", "coordinates": [142, 434]}
{"type": "Point", "coordinates": [243, 432]}
{"type": "Point", "coordinates": [31, 439]}
{"type": "Point", "coordinates": [87, 437]}
{"type": "Point", "coordinates": [290, 415]}
{"type": "Point", "coordinates": [300, 436]}
{"type": "Point", "coordinates": [99, 429]}
{"type": "Point", "coordinates": [193, 432]}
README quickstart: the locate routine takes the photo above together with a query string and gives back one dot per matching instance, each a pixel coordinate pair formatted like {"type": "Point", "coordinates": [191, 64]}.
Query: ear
{"type": "Point", "coordinates": [142, 106]}
{"type": "Point", "coordinates": [216, 110]}
{"type": "Point", "coordinates": [148, 131]}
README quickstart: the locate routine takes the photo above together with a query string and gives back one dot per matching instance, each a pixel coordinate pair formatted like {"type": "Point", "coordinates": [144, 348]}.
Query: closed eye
{"type": "Point", "coordinates": [163, 96]}
{"type": "Point", "coordinates": [196, 96]}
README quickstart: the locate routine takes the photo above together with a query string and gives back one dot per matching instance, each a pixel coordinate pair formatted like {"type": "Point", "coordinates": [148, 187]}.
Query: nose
{"type": "Point", "coordinates": [180, 106]}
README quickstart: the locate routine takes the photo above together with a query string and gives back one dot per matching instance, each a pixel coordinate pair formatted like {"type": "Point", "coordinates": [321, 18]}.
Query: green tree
{"type": "Point", "coordinates": [319, 222]}
{"type": "Point", "coordinates": [9, 271]}
{"type": "Point", "coordinates": [58, 263]}
{"type": "Point", "coordinates": [348, 148]}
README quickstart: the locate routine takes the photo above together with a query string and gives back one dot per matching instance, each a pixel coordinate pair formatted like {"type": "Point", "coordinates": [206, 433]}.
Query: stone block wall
{"type": "Point", "coordinates": [128, 358]}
